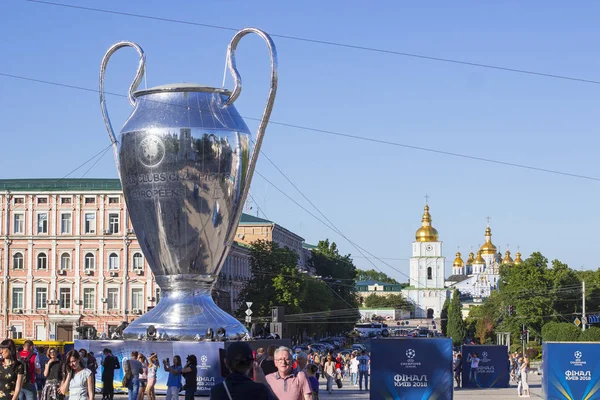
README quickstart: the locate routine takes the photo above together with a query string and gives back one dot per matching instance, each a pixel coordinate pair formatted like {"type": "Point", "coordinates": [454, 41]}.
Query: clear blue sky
{"type": "Point", "coordinates": [374, 193]}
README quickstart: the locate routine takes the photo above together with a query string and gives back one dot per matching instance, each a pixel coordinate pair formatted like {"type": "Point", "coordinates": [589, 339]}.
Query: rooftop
{"type": "Point", "coordinates": [251, 219]}
{"type": "Point", "coordinates": [66, 184]}
{"type": "Point", "coordinates": [371, 282]}
{"type": "Point", "coordinates": [457, 278]}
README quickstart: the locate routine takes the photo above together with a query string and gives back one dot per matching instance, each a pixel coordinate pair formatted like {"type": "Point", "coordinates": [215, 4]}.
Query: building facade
{"type": "Point", "coordinates": [251, 229]}
{"type": "Point", "coordinates": [70, 258]}
{"type": "Point", "coordinates": [366, 288]}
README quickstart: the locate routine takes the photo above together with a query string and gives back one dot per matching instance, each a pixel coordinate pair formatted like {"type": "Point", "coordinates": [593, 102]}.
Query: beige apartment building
{"type": "Point", "coordinates": [70, 258]}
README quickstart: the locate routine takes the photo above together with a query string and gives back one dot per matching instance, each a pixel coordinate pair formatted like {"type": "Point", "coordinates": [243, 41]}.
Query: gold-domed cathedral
{"type": "Point", "coordinates": [427, 290]}
{"type": "Point", "coordinates": [480, 275]}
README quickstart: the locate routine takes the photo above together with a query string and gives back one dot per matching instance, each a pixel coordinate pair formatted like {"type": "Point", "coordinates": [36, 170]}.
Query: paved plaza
{"type": "Point", "coordinates": [352, 393]}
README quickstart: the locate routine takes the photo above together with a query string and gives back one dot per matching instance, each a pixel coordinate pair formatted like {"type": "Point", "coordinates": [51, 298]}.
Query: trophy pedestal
{"type": "Point", "coordinates": [186, 315]}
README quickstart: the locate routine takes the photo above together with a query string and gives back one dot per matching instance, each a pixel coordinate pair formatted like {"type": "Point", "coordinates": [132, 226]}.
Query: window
{"type": "Point", "coordinates": [42, 261]}
{"type": "Point", "coordinates": [138, 261]}
{"type": "Point", "coordinates": [429, 273]}
{"type": "Point", "coordinates": [137, 298]}
{"type": "Point", "coordinates": [90, 261]}
{"type": "Point", "coordinates": [64, 297]}
{"type": "Point", "coordinates": [42, 200]}
{"type": "Point", "coordinates": [65, 224]}
{"type": "Point", "coordinates": [65, 261]}
{"type": "Point", "coordinates": [112, 298]}
{"type": "Point", "coordinates": [157, 291]}
{"type": "Point", "coordinates": [113, 262]}
{"type": "Point", "coordinates": [42, 223]}
{"type": "Point", "coordinates": [90, 223]}
{"type": "Point", "coordinates": [18, 297]}
{"type": "Point", "coordinates": [19, 223]}
{"type": "Point", "coordinates": [65, 200]}
{"type": "Point", "coordinates": [19, 200]}
{"type": "Point", "coordinates": [17, 332]}
{"type": "Point", "coordinates": [18, 261]}
{"type": "Point", "coordinates": [90, 200]}
{"type": "Point", "coordinates": [41, 297]}
{"type": "Point", "coordinates": [114, 200]}
{"type": "Point", "coordinates": [89, 295]}
{"type": "Point", "coordinates": [113, 223]}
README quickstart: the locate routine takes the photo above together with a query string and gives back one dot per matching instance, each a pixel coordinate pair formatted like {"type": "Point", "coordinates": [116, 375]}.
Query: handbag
{"type": "Point", "coordinates": [339, 383]}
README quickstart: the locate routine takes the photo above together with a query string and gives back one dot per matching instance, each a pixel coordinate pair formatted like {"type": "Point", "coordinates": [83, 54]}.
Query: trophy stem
{"type": "Point", "coordinates": [186, 311]}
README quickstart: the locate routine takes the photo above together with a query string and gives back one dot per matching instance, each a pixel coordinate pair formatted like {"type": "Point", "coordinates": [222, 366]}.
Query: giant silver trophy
{"type": "Point", "coordinates": [185, 161]}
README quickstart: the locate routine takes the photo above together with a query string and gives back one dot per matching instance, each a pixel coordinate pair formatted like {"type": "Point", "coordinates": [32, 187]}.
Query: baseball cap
{"type": "Point", "coordinates": [239, 352]}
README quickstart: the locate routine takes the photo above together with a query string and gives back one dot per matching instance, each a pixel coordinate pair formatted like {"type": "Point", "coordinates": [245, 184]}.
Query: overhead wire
{"type": "Point", "coordinates": [330, 43]}
{"type": "Point", "coordinates": [342, 134]}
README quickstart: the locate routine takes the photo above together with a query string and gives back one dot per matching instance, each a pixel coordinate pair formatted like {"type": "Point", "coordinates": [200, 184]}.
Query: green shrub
{"type": "Point", "coordinates": [515, 347]}
{"type": "Point", "coordinates": [591, 334]}
{"type": "Point", "coordinates": [560, 332]}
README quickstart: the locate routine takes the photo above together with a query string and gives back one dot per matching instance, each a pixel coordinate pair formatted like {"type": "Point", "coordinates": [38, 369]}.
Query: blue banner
{"type": "Point", "coordinates": [411, 369]}
{"type": "Point", "coordinates": [571, 370]}
{"type": "Point", "coordinates": [493, 368]}
{"type": "Point", "coordinates": [207, 353]}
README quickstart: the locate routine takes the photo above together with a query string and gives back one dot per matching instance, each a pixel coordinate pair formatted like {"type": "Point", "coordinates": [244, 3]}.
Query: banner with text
{"type": "Point", "coordinates": [207, 354]}
{"type": "Point", "coordinates": [411, 369]}
{"type": "Point", "coordinates": [485, 367]}
{"type": "Point", "coordinates": [571, 370]}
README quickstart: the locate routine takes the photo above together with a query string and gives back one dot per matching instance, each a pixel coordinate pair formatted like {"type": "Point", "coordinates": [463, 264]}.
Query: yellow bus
{"type": "Point", "coordinates": [63, 347]}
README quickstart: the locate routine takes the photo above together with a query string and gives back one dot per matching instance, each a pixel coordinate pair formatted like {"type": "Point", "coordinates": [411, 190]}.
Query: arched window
{"type": "Point", "coordinates": [138, 261]}
{"type": "Point", "coordinates": [429, 273]}
{"type": "Point", "coordinates": [113, 262]}
{"type": "Point", "coordinates": [65, 261]}
{"type": "Point", "coordinates": [18, 261]}
{"type": "Point", "coordinates": [90, 261]}
{"type": "Point", "coordinates": [42, 261]}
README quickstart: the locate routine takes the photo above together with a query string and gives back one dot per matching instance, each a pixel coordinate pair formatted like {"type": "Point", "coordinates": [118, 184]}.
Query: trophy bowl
{"type": "Point", "coordinates": [185, 160]}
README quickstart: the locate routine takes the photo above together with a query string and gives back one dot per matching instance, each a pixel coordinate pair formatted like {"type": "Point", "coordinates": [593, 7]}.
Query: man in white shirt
{"type": "Point", "coordinates": [354, 370]}
{"type": "Point", "coordinates": [474, 366]}
{"type": "Point", "coordinates": [363, 370]}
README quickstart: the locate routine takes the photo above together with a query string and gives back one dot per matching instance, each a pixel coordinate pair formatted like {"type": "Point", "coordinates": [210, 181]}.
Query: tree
{"type": "Point", "coordinates": [371, 274]}
{"type": "Point", "coordinates": [456, 326]}
{"type": "Point", "coordinates": [396, 301]}
{"type": "Point", "coordinates": [275, 279]}
{"type": "Point", "coordinates": [444, 317]}
{"type": "Point", "coordinates": [339, 273]}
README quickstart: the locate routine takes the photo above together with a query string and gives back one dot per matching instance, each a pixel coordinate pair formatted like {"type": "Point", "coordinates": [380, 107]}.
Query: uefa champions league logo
{"type": "Point", "coordinates": [484, 354]}
{"type": "Point", "coordinates": [410, 354]}
{"type": "Point", "coordinates": [203, 359]}
{"type": "Point", "coordinates": [578, 362]}
{"type": "Point", "coordinates": [578, 355]}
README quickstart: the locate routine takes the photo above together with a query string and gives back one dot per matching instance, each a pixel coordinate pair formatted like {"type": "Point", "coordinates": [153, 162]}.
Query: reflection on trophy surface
{"type": "Point", "coordinates": [185, 162]}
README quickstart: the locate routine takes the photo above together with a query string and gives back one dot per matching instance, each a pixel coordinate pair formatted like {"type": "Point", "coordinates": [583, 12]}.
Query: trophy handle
{"type": "Point", "coordinates": [134, 85]}
{"type": "Point", "coordinates": [237, 89]}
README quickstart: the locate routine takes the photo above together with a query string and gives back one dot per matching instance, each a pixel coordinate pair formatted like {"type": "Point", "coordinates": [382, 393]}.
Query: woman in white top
{"type": "Point", "coordinates": [78, 380]}
{"type": "Point", "coordinates": [524, 369]}
{"type": "Point", "coordinates": [143, 376]}
{"type": "Point", "coordinates": [152, 369]}
{"type": "Point", "coordinates": [329, 372]}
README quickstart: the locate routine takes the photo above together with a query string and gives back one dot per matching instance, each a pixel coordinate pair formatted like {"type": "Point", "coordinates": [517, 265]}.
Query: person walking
{"type": "Point", "coordinates": [353, 370]}
{"type": "Point", "coordinates": [40, 379]}
{"type": "Point", "coordinates": [174, 379]}
{"type": "Point", "coordinates": [363, 370]}
{"type": "Point", "coordinates": [53, 372]}
{"type": "Point", "coordinates": [458, 369]}
{"type": "Point", "coordinates": [78, 380]}
{"type": "Point", "coordinates": [524, 370]}
{"type": "Point", "coordinates": [329, 373]}
{"type": "Point", "coordinates": [12, 371]}
{"type": "Point", "coordinates": [109, 364]}
{"type": "Point", "coordinates": [134, 367]}
{"type": "Point", "coordinates": [29, 388]}
{"type": "Point", "coordinates": [143, 376]}
{"type": "Point", "coordinates": [153, 367]}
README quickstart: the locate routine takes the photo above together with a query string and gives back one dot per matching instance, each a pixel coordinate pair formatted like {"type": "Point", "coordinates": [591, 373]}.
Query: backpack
{"type": "Point", "coordinates": [28, 372]}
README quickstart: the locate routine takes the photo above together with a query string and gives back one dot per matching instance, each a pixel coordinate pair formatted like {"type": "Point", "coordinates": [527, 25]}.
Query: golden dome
{"type": "Point", "coordinates": [426, 233]}
{"type": "Point", "coordinates": [479, 259]}
{"type": "Point", "coordinates": [458, 262]}
{"type": "Point", "coordinates": [488, 247]}
{"type": "Point", "coordinates": [518, 260]}
{"type": "Point", "coordinates": [507, 258]}
{"type": "Point", "coordinates": [471, 258]}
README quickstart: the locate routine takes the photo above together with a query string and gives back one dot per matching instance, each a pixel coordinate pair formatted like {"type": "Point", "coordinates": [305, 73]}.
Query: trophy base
{"type": "Point", "coordinates": [186, 316]}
